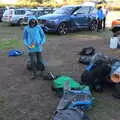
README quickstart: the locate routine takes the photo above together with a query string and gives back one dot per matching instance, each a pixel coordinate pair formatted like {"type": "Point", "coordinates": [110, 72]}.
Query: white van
{"type": "Point", "coordinates": [14, 16]}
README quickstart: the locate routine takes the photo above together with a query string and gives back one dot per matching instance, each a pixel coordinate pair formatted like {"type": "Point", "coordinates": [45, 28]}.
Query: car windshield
{"type": "Point", "coordinates": [64, 10]}
{"type": "Point", "coordinates": [38, 13]}
{"type": "Point", "coordinates": [83, 10]}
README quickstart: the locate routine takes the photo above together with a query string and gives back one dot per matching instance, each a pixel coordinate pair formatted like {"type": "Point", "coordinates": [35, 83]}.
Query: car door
{"type": "Point", "coordinates": [80, 17]}
{"type": "Point", "coordinates": [93, 13]}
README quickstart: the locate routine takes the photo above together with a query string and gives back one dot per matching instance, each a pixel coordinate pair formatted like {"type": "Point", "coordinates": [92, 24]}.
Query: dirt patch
{"type": "Point", "coordinates": [23, 99]}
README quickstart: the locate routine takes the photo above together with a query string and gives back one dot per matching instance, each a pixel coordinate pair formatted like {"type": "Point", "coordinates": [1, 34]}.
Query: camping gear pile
{"type": "Point", "coordinates": [100, 70]}
{"type": "Point", "coordinates": [75, 100]}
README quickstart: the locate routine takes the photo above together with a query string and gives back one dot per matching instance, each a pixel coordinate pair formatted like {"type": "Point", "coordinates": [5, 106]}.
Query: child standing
{"type": "Point", "coordinates": [34, 38]}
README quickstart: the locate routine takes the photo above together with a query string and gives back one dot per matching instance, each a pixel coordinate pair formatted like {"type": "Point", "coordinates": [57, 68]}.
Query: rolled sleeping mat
{"type": "Point", "coordinates": [115, 26]}
{"type": "Point", "coordinates": [115, 76]}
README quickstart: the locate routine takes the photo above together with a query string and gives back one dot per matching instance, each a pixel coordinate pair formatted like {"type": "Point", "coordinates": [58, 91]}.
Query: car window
{"type": "Point", "coordinates": [34, 13]}
{"type": "Point", "coordinates": [64, 10]}
{"type": "Point", "coordinates": [46, 11]}
{"type": "Point", "coordinates": [40, 13]}
{"type": "Point", "coordinates": [19, 12]}
{"type": "Point", "coordinates": [2, 10]}
{"type": "Point", "coordinates": [82, 10]}
{"type": "Point", "coordinates": [93, 10]}
{"type": "Point", "coordinates": [8, 12]}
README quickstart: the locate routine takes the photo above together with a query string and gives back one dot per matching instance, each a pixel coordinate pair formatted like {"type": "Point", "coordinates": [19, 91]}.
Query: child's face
{"type": "Point", "coordinates": [32, 23]}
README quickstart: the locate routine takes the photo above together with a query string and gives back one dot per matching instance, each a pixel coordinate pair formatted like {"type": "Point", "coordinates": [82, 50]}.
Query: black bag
{"type": "Point", "coordinates": [85, 77]}
{"type": "Point", "coordinates": [95, 78]}
{"type": "Point", "coordinates": [70, 114]}
{"type": "Point", "coordinates": [87, 51]}
{"type": "Point", "coordinates": [85, 59]}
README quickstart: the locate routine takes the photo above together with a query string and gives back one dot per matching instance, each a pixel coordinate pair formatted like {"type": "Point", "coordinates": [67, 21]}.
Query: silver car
{"type": "Point", "coordinates": [14, 16]}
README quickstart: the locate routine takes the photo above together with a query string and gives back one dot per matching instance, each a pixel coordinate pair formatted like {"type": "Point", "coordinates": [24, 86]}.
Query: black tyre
{"type": "Point", "coordinates": [93, 26]}
{"type": "Point", "coordinates": [20, 22]}
{"type": "Point", "coordinates": [12, 24]}
{"type": "Point", "coordinates": [62, 29]}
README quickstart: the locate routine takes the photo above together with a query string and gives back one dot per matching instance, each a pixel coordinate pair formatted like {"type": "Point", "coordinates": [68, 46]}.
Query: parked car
{"type": "Point", "coordinates": [37, 13]}
{"type": "Point", "coordinates": [2, 10]}
{"type": "Point", "coordinates": [14, 16]}
{"type": "Point", "coordinates": [69, 18]}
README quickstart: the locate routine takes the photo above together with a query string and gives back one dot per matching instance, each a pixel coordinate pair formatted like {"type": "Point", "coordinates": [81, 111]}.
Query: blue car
{"type": "Point", "coordinates": [69, 18]}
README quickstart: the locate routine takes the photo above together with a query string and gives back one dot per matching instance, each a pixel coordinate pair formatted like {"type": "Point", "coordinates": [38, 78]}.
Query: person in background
{"type": "Point", "coordinates": [100, 17]}
{"type": "Point", "coordinates": [105, 12]}
{"type": "Point", "coordinates": [34, 38]}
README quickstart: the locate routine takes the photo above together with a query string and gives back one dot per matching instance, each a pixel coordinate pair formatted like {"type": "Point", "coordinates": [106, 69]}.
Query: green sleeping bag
{"type": "Point", "coordinates": [58, 84]}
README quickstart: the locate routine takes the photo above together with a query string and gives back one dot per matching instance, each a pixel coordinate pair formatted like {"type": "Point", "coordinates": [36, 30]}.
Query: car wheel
{"type": "Point", "coordinates": [20, 22]}
{"type": "Point", "coordinates": [62, 29]}
{"type": "Point", "coordinates": [93, 26]}
{"type": "Point", "coordinates": [12, 24]}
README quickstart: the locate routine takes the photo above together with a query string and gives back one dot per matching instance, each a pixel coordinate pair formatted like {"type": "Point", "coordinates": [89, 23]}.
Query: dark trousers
{"type": "Point", "coordinates": [36, 61]}
{"type": "Point", "coordinates": [104, 21]}
{"type": "Point", "coordinates": [99, 25]}
{"type": "Point", "coordinates": [117, 87]}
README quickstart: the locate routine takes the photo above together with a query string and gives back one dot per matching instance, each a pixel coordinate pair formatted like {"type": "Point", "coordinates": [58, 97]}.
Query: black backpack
{"type": "Point", "coordinates": [87, 51]}
{"type": "Point", "coordinates": [85, 59]}
{"type": "Point", "coordinates": [96, 77]}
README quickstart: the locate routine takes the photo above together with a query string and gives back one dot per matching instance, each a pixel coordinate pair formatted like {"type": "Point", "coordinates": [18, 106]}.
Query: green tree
{"type": "Point", "coordinates": [39, 1]}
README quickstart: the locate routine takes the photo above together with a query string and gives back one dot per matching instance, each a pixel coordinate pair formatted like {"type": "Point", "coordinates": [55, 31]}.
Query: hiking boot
{"type": "Point", "coordinates": [34, 76]}
{"type": "Point", "coordinates": [116, 95]}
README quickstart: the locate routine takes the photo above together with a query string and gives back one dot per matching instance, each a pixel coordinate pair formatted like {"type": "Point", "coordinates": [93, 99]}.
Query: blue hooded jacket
{"type": "Point", "coordinates": [100, 14]}
{"type": "Point", "coordinates": [34, 35]}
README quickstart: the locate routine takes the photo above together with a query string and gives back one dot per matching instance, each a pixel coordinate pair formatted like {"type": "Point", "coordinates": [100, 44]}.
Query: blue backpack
{"type": "Point", "coordinates": [15, 52]}
{"type": "Point", "coordinates": [81, 99]}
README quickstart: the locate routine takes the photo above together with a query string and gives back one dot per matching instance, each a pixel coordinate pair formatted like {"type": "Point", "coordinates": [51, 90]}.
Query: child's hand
{"type": "Point", "coordinates": [32, 46]}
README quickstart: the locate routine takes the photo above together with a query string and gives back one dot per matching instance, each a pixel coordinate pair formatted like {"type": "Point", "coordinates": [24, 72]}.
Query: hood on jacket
{"type": "Point", "coordinates": [32, 18]}
{"type": "Point", "coordinates": [31, 22]}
